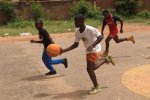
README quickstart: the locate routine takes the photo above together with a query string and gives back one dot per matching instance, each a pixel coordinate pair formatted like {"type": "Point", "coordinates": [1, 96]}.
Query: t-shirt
{"type": "Point", "coordinates": [111, 22]}
{"type": "Point", "coordinates": [89, 36]}
{"type": "Point", "coordinates": [46, 39]}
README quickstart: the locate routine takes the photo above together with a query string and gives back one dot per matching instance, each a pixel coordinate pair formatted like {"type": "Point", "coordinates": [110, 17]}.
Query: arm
{"type": "Point", "coordinates": [102, 31]}
{"type": "Point", "coordinates": [103, 27]}
{"type": "Point", "coordinates": [121, 23]}
{"type": "Point", "coordinates": [35, 41]}
{"type": "Point", "coordinates": [99, 39]}
{"type": "Point", "coordinates": [121, 27]}
{"type": "Point", "coordinates": [51, 39]}
{"type": "Point", "coordinates": [73, 46]}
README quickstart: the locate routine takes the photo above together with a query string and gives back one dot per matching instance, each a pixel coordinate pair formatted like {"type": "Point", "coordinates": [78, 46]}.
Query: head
{"type": "Point", "coordinates": [79, 20]}
{"type": "Point", "coordinates": [106, 13]}
{"type": "Point", "coordinates": [38, 24]}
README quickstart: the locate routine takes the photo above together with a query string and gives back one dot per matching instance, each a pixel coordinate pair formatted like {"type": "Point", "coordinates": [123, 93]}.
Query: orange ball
{"type": "Point", "coordinates": [53, 50]}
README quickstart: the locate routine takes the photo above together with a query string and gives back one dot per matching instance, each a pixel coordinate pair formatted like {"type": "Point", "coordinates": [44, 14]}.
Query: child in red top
{"type": "Point", "coordinates": [111, 21]}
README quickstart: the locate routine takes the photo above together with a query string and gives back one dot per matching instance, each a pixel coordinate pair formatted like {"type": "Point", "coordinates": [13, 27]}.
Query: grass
{"type": "Point", "coordinates": [52, 26]}
{"type": "Point", "coordinates": [138, 20]}
{"type": "Point", "coordinates": [21, 26]}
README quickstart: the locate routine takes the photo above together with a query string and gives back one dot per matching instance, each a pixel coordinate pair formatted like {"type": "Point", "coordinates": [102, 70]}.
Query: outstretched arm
{"type": "Point", "coordinates": [35, 41]}
{"type": "Point", "coordinates": [73, 46]}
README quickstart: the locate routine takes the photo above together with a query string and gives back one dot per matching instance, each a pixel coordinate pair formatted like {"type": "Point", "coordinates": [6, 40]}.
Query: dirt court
{"type": "Point", "coordinates": [22, 71]}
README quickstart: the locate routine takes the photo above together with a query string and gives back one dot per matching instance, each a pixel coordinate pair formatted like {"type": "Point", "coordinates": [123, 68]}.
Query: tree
{"type": "Point", "coordinates": [128, 7]}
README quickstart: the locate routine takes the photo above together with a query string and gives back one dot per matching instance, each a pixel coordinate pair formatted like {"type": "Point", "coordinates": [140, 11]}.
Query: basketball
{"type": "Point", "coordinates": [53, 50]}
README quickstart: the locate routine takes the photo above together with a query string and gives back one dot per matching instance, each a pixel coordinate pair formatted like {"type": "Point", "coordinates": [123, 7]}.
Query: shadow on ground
{"type": "Point", "coordinates": [80, 94]}
{"type": "Point", "coordinates": [41, 77]}
{"type": "Point", "coordinates": [121, 56]}
{"type": "Point", "coordinates": [77, 94]}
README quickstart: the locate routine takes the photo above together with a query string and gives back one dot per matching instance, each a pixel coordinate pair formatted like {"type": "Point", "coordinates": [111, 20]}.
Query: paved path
{"type": "Point", "coordinates": [21, 71]}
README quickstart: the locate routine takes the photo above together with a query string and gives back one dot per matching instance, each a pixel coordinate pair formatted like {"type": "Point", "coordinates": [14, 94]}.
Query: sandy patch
{"type": "Point", "coordinates": [138, 80]}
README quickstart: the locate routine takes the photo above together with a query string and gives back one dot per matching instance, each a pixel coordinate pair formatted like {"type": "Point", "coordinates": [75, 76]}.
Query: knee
{"type": "Point", "coordinates": [89, 69]}
{"type": "Point", "coordinates": [106, 41]}
{"type": "Point", "coordinates": [117, 41]}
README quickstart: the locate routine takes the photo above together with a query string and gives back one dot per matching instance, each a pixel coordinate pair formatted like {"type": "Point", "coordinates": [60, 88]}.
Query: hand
{"type": "Point", "coordinates": [90, 48]}
{"type": "Point", "coordinates": [121, 30]}
{"type": "Point", "coordinates": [61, 51]}
{"type": "Point", "coordinates": [32, 41]}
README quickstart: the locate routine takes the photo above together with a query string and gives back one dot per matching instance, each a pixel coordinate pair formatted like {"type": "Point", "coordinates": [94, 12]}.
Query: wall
{"type": "Point", "coordinates": [111, 4]}
{"type": "Point", "coordinates": [146, 4]}
{"type": "Point", "coordinates": [54, 10]}
{"type": "Point", "coordinates": [61, 9]}
{"type": "Point", "coordinates": [104, 4]}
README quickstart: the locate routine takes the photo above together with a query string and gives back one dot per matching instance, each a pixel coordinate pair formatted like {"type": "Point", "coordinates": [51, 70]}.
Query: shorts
{"type": "Point", "coordinates": [113, 33]}
{"type": "Point", "coordinates": [93, 57]}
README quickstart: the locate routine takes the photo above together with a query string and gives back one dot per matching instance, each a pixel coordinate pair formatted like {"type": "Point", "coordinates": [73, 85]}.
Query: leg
{"type": "Point", "coordinates": [105, 54]}
{"type": "Point", "coordinates": [90, 70]}
{"type": "Point", "coordinates": [118, 40]}
{"type": "Point", "coordinates": [58, 61]}
{"type": "Point", "coordinates": [100, 62]}
{"type": "Point", "coordinates": [46, 61]}
{"type": "Point", "coordinates": [107, 43]}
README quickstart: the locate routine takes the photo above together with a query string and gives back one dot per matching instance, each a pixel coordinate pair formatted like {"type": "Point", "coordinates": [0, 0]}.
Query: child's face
{"type": "Point", "coordinates": [78, 23]}
{"type": "Point", "coordinates": [38, 26]}
{"type": "Point", "coordinates": [106, 14]}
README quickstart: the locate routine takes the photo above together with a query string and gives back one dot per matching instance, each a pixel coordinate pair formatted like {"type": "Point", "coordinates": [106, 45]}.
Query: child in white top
{"type": "Point", "coordinates": [91, 38]}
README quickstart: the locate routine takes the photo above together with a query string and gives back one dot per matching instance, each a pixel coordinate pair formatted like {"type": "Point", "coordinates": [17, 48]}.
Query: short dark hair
{"type": "Point", "coordinates": [38, 21]}
{"type": "Point", "coordinates": [80, 16]}
{"type": "Point", "coordinates": [106, 11]}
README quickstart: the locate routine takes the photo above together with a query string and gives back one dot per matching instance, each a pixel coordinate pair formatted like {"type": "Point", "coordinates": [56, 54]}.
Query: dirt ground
{"type": "Point", "coordinates": [22, 71]}
{"type": "Point", "coordinates": [128, 28]}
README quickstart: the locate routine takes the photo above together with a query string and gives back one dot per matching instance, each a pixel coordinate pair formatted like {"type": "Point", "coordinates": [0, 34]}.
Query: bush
{"type": "Point", "coordinates": [144, 14]}
{"type": "Point", "coordinates": [9, 11]}
{"type": "Point", "coordinates": [37, 10]}
{"type": "Point", "coordinates": [128, 7]}
{"type": "Point", "coordinates": [112, 11]}
{"type": "Point", "coordinates": [20, 23]}
{"type": "Point", "coordinates": [85, 8]}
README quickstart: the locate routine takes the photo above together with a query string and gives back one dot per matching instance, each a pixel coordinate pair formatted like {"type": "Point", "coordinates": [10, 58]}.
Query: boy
{"type": "Point", "coordinates": [46, 40]}
{"type": "Point", "coordinates": [91, 38]}
{"type": "Point", "coordinates": [111, 21]}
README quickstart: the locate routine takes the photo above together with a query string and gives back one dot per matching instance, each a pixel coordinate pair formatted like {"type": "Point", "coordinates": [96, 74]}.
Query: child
{"type": "Point", "coordinates": [91, 38]}
{"type": "Point", "coordinates": [45, 39]}
{"type": "Point", "coordinates": [111, 21]}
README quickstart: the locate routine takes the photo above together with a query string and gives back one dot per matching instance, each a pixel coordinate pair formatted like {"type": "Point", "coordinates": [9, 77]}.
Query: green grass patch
{"type": "Point", "coordinates": [60, 26]}
{"type": "Point", "coordinates": [138, 20]}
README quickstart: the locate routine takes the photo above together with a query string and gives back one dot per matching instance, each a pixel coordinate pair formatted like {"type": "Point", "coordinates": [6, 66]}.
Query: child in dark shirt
{"type": "Point", "coordinates": [46, 40]}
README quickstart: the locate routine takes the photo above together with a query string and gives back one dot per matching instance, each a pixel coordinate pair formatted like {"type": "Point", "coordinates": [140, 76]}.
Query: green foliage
{"type": "Point", "coordinates": [112, 11]}
{"type": "Point", "coordinates": [52, 26]}
{"type": "Point", "coordinates": [144, 14]}
{"type": "Point", "coordinates": [9, 11]}
{"type": "Point", "coordinates": [37, 10]}
{"type": "Point", "coordinates": [20, 23]}
{"type": "Point", "coordinates": [85, 8]}
{"type": "Point", "coordinates": [128, 7]}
